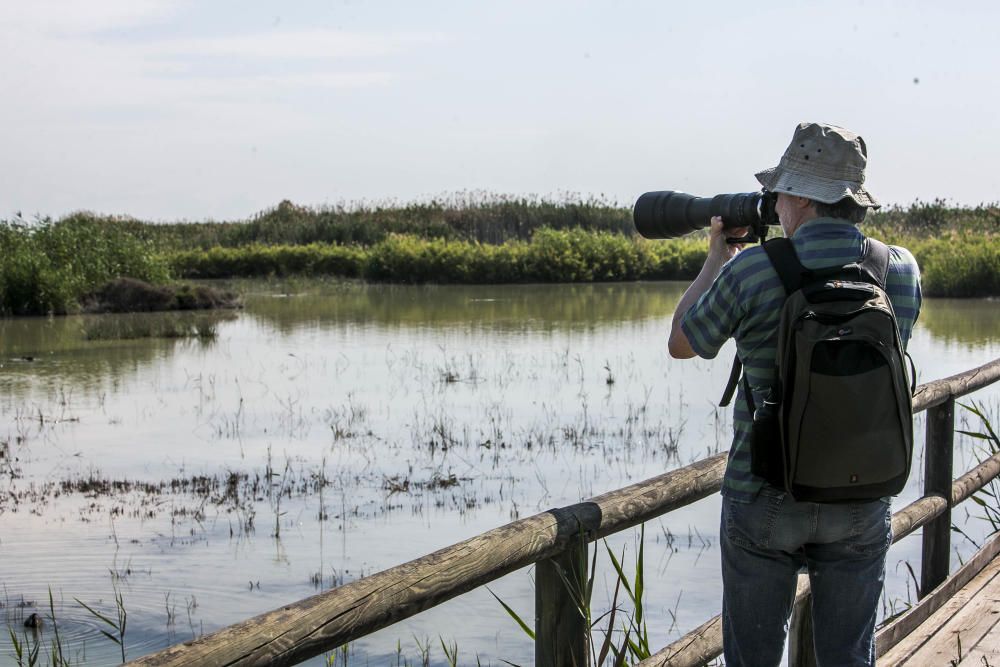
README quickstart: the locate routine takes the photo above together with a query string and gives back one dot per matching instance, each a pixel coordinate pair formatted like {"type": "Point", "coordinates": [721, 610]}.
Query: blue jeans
{"type": "Point", "coordinates": [767, 542]}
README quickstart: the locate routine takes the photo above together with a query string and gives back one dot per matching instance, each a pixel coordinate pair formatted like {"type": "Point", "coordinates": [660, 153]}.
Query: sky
{"type": "Point", "coordinates": [195, 110]}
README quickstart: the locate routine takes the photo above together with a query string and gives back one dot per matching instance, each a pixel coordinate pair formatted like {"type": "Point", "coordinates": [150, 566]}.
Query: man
{"type": "Point", "coordinates": [766, 536]}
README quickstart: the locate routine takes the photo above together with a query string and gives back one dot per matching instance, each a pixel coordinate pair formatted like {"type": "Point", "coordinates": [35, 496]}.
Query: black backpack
{"type": "Point", "coordinates": [837, 425]}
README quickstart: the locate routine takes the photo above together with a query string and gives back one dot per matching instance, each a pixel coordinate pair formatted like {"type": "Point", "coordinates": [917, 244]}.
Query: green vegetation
{"type": "Point", "coordinates": [552, 256]}
{"type": "Point", "coordinates": [48, 266]}
{"type": "Point", "coordinates": [487, 219]}
{"type": "Point", "coordinates": [628, 641]}
{"type": "Point", "coordinates": [988, 498]}
{"type": "Point", "coordinates": [51, 267]}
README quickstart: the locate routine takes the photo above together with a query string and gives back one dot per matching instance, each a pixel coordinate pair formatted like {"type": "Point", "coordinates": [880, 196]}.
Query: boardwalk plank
{"type": "Point", "coordinates": [914, 641]}
{"type": "Point", "coordinates": [965, 629]}
{"type": "Point", "coordinates": [987, 652]}
{"type": "Point", "coordinates": [897, 631]}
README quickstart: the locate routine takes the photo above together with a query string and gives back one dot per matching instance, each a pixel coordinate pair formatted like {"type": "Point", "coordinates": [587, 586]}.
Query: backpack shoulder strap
{"type": "Point", "coordinates": [874, 263]}
{"type": "Point", "coordinates": [781, 252]}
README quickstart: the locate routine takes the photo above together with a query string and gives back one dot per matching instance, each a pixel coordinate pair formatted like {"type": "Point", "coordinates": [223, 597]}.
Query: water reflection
{"type": "Point", "coordinates": [84, 347]}
{"type": "Point", "coordinates": [428, 413]}
{"type": "Point", "coordinates": [89, 351]}
{"type": "Point", "coordinates": [291, 304]}
{"type": "Point", "coordinates": [973, 322]}
{"type": "Point", "coordinates": [287, 306]}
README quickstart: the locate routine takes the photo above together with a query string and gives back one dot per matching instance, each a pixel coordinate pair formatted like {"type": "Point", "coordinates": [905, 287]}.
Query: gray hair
{"type": "Point", "coordinates": [845, 209]}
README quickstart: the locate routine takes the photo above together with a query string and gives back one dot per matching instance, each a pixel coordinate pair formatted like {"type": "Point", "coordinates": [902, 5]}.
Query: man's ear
{"type": "Point", "coordinates": [803, 202]}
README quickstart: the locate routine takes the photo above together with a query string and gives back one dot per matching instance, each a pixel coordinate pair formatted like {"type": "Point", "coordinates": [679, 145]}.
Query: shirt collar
{"type": "Point", "coordinates": [826, 228]}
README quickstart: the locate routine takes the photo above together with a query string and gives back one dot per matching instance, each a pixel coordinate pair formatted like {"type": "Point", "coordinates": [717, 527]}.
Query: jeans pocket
{"type": "Point", "coordinates": [871, 527]}
{"type": "Point", "coordinates": [751, 524]}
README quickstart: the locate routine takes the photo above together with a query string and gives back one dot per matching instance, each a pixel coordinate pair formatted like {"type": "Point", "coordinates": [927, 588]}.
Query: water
{"type": "Point", "coordinates": [331, 430]}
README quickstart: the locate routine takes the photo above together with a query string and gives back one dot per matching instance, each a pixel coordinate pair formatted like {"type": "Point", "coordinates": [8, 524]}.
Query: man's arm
{"type": "Point", "coordinates": [719, 252]}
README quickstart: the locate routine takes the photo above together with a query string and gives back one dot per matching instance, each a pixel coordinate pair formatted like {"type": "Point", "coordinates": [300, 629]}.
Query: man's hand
{"type": "Point", "coordinates": [717, 240]}
{"type": "Point", "coordinates": [719, 252]}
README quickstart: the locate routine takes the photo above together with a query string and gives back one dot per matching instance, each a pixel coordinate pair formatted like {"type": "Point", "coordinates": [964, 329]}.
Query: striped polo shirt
{"type": "Point", "coordinates": [745, 303]}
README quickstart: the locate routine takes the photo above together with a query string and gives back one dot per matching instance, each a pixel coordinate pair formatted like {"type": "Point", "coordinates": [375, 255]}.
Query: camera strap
{"type": "Point", "coordinates": [734, 380]}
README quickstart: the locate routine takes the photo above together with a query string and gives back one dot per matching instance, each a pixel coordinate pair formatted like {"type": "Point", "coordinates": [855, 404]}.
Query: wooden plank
{"type": "Point", "coordinates": [913, 642]}
{"type": "Point", "coordinates": [935, 562]}
{"type": "Point", "coordinates": [965, 629]}
{"type": "Point", "coordinates": [986, 653]}
{"type": "Point", "coordinates": [896, 631]}
{"type": "Point", "coordinates": [561, 631]}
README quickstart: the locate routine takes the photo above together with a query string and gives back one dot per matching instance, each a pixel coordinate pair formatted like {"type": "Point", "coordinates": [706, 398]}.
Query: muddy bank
{"type": "Point", "coordinates": [128, 295]}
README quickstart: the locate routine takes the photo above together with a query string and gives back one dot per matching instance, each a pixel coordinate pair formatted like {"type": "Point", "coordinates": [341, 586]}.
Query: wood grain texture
{"type": "Point", "coordinates": [945, 594]}
{"type": "Point", "coordinates": [986, 653]}
{"type": "Point", "coordinates": [692, 650]}
{"type": "Point", "coordinates": [952, 639]}
{"type": "Point", "coordinates": [960, 384]}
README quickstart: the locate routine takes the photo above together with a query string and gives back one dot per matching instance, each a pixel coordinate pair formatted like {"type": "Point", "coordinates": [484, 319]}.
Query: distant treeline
{"type": "Point", "coordinates": [493, 220]}
{"type": "Point", "coordinates": [48, 266]}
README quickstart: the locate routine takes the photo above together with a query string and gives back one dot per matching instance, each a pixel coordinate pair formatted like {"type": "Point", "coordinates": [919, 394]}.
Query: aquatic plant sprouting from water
{"type": "Point", "coordinates": [988, 498]}
{"type": "Point", "coordinates": [633, 635]}
{"type": "Point", "coordinates": [118, 624]}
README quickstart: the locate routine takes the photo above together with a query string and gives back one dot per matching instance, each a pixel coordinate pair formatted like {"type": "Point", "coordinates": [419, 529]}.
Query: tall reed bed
{"type": "Point", "coordinates": [496, 219]}
{"type": "Point", "coordinates": [492, 219]}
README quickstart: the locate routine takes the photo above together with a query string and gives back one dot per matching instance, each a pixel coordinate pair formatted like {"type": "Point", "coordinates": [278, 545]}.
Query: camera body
{"type": "Point", "coordinates": [667, 214]}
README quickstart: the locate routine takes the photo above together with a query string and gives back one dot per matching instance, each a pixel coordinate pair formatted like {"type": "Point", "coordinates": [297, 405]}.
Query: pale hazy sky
{"type": "Point", "coordinates": [170, 109]}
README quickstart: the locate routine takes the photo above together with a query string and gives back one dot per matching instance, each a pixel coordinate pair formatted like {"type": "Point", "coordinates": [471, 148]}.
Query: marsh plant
{"type": "Point", "coordinates": [27, 648]}
{"type": "Point", "coordinates": [621, 632]}
{"type": "Point", "coordinates": [986, 498]}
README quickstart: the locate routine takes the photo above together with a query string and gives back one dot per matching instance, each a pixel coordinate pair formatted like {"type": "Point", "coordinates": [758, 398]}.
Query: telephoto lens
{"type": "Point", "coordinates": [668, 215]}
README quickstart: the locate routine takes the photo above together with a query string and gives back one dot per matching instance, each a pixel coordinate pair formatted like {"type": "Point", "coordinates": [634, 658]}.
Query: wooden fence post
{"type": "Point", "coordinates": [938, 457]}
{"type": "Point", "coordinates": [561, 632]}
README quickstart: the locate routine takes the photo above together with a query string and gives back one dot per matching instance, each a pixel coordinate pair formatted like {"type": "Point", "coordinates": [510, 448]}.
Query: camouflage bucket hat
{"type": "Point", "coordinates": [825, 163]}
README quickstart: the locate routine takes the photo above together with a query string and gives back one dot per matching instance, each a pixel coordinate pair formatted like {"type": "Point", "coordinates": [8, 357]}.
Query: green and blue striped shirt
{"type": "Point", "coordinates": [745, 303]}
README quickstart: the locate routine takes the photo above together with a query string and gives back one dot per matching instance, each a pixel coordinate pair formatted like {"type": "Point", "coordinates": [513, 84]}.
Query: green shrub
{"type": "Point", "coordinates": [952, 267]}
{"type": "Point", "coordinates": [48, 266]}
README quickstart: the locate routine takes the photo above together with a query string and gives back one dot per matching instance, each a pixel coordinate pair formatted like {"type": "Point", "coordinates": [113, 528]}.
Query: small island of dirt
{"type": "Point", "coordinates": [128, 295]}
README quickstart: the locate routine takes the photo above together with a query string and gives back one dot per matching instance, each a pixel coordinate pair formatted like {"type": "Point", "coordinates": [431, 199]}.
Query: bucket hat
{"type": "Point", "coordinates": [823, 162]}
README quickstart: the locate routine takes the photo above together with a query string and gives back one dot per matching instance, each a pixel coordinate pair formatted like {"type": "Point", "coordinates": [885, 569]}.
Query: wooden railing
{"type": "Point", "coordinates": [560, 538]}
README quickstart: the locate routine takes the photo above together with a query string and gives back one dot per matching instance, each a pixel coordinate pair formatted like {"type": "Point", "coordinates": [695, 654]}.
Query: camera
{"type": "Point", "coordinates": [667, 214]}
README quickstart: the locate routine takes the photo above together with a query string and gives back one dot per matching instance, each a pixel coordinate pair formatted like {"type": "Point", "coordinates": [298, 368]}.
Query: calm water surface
{"type": "Point", "coordinates": [331, 430]}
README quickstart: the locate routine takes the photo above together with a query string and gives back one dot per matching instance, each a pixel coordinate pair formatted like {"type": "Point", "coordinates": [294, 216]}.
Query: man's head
{"type": "Point", "coordinates": [825, 165]}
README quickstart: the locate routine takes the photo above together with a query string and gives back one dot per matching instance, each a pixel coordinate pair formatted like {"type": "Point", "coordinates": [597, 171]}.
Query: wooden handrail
{"type": "Point", "coordinates": [309, 627]}
{"type": "Point", "coordinates": [332, 618]}
{"type": "Point", "coordinates": [937, 392]}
